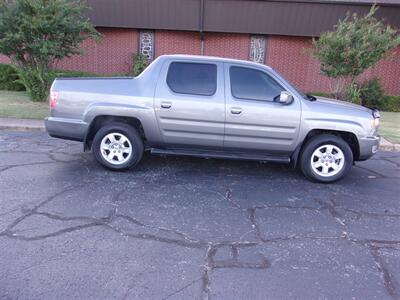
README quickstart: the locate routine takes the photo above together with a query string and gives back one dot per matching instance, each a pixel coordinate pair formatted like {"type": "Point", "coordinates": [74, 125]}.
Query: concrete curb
{"type": "Point", "coordinates": [22, 124]}
{"type": "Point", "coordinates": [38, 125]}
{"type": "Point", "coordinates": [388, 146]}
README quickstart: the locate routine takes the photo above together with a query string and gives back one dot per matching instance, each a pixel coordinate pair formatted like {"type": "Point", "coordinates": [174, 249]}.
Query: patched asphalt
{"type": "Point", "coordinates": [192, 228]}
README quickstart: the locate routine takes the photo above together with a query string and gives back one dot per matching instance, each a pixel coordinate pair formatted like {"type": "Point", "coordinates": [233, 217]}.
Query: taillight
{"type": "Point", "coordinates": [53, 99]}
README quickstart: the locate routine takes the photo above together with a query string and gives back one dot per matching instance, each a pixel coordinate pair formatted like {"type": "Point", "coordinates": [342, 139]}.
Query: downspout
{"type": "Point", "coordinates": [201, 26]}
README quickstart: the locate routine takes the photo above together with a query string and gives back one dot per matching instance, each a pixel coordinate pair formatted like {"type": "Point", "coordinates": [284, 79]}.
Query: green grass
{"type": "Point", "coordinates": [390, 126]}
{"type": "Point", "coordinates": [18, 105]}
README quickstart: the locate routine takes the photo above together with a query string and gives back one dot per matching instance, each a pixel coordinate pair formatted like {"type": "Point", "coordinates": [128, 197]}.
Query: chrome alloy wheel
{"type": "Point", "coordinates": [327, 160]}
{"type": "Point", "coordinates": [116, 148]}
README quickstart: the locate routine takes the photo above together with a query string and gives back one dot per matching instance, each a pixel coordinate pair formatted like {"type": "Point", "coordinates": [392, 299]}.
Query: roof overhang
{"type": "Point", "coordinates": [278, 17]}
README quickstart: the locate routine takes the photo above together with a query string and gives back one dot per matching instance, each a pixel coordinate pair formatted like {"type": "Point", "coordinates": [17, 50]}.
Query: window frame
{"type": "Point", "coordinates": [193, 63]}
{"type": "Point", "coordinates": [253, 69]}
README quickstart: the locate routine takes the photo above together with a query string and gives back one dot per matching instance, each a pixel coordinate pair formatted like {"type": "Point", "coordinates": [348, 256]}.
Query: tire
{"type": "Point", "coordinates": [118, 147]}
{"type": "Point", "coordinates": [326, 158]}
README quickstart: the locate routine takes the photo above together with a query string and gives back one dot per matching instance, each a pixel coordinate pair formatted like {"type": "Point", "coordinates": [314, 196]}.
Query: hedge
{"type": "Point", "coordinates": [9, 79]}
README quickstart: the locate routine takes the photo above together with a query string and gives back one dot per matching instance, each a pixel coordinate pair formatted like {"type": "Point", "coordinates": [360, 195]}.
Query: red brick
{"type": "Point", "coordinates": [176, 42]}
{"type": "Point", "coordinates": [113, 54]}
{"type": "Point", "coordinates": [288, 55]}
{"type": "Point", "coordinates": [227, 45]}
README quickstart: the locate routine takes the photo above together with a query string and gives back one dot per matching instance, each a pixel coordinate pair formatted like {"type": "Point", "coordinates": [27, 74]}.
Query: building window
{"type": "Point", "coordinates": [192, 78]}
{"type": "Point", "coordinates": [146, 44]}
{"type": "Point", "coordinates": [257, 48]}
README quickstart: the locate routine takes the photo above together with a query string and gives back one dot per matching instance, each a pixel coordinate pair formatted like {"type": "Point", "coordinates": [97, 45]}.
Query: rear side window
{"type": "Point", "coordinates": [252, 84]}
{"type": "Point", "coordinates": [192, 78]}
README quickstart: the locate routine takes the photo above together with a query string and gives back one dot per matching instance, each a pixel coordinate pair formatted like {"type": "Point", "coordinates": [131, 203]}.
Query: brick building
{"type": "Point", "coordinates": [274, 32]}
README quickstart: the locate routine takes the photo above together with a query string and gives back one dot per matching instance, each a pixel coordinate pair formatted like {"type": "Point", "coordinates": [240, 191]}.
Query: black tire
{"type": "Point", "coordinates": [134, 139]}
{"type": "Point", "coordinates": [318, 141]}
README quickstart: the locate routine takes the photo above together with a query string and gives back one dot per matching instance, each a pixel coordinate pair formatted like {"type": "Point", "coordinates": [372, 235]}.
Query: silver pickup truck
{"type": "Point", "coordinates": [211, 107]}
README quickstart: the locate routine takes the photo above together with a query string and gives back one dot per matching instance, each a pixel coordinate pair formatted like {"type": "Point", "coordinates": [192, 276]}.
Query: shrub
{"type": "Point", "coordinates": [371, 93]}
{"type": "Point", "coordinates": [355, 44]}
{"type": "Point", "coordinates": [139, 63]}
{"type": "Point", "coordinates": [9, 79]}
{"type": "Point", "coordinates": [352, 93]}
{"type": "Point", "coordinates": [390, 103]}
{"type": "Point", "coordinates": [35, 34]}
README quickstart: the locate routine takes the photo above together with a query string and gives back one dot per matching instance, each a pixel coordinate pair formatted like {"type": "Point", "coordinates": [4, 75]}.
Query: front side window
{"type": "Point", "coordinates": [253, 84]}
{"type": "Point", "coordinates": [192, 78]}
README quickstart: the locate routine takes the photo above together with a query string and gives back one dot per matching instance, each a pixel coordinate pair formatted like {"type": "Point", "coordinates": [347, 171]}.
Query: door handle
{"type": "Point", "coordinates": [236, 110]}
{"type": "Point", "coordinates": [166, 105]}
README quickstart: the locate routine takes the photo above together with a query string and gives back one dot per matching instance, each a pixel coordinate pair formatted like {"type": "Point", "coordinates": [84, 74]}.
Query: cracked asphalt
{"type": "Point", "coordinates": [189, 228]}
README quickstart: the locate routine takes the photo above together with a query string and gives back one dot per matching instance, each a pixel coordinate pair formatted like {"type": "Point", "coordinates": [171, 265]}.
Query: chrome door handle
{"type": "Point", "coordinates": [236, 110]}
{"type": "Point", "coordinates": [166, 105]}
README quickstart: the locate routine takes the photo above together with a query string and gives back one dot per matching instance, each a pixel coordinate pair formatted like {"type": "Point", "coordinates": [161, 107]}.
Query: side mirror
{"type": "Point", "coordinates": [285, 98]}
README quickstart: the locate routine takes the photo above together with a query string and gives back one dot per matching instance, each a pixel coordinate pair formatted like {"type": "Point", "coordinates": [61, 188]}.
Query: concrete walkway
{"type": "Point", "coordinates": [38, 125]}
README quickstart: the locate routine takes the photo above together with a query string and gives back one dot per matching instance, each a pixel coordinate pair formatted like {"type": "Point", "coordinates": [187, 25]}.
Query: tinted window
{"type": "Point", "coordinates": [253, 84]}
{"type": "Point", "coordinates": [192, 78]}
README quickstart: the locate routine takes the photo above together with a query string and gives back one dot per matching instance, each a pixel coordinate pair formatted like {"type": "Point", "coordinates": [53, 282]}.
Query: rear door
{"type": "Point", "coordinates": [190, 104]}
{"type": "Point", "coordinates": [254, 121]}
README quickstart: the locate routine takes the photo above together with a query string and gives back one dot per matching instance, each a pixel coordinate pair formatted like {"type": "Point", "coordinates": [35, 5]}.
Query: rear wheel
{"type": "Point", "coordinates": [326, 158]}
{"type": "Point", "coordinates": [118, 146]}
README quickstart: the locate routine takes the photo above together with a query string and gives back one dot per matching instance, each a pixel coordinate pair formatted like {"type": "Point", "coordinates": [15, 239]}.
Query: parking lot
{"type": "Point", "coordinates": [191, 228]}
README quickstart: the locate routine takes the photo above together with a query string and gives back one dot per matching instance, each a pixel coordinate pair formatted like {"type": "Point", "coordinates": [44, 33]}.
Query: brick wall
{"type": "Point", "coordinates": [388, 71]}
{"type": "Point", "coordinates": [227, 45]}
{"type": "Point", "coordinates": [176, 42]}
{"type": "Point", "coordinates": [287, 55]}
{"type": "Point", "coordinates": [112, 55]}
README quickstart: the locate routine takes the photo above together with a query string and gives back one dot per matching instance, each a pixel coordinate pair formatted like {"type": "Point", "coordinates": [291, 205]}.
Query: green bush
{"type": "Point", "coordinates": [371, 93]}
{"type": "Point", "coordinates": [139, 63]}
{"type": "Point", "coordinates": [37, 83]}
{"type": "Point", "coordinates": [390, 103]}
{"type": "Point", "coordinates": [38, 86]}
{"type": "Point", "coordinates": [9, 79]}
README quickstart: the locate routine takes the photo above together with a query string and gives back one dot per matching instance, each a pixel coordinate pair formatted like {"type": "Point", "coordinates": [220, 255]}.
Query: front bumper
{"type": "Point", "coordinates": [68, 129]}
{"type": "Point", "coordinates": [368, 146]}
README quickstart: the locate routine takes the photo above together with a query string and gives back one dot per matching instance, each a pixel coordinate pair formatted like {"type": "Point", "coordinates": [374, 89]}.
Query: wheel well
{"type": "Point", "coordinates": [349, 137]}
{"type": "Point", "coordinates": [101, 121]}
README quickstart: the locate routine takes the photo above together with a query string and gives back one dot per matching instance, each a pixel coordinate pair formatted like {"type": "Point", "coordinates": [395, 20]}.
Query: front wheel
{"type": "Point", "coordinates": [326, 158]}
{"type": "Point", "coordinates": [118, 146]}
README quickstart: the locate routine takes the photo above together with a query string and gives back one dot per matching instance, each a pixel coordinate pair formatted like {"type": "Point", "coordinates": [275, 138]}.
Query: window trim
{"type": "Point", "coordinates": [198, 63]}
{"type": "Point", "coordinates": [254, 69]}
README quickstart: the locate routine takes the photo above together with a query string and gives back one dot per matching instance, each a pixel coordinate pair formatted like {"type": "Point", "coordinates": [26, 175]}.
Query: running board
{"type": "Point", "coordinates": [220, 154]}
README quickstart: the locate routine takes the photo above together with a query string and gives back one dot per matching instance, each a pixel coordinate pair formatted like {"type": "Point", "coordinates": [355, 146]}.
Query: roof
{"type": "Point", "coordinates": [362, 2]}
{"type": "Point", "coordinates": [278, 17]}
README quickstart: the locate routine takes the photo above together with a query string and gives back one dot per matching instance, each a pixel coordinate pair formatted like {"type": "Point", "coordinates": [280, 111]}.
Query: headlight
{"type": "Point", "coordinates": [375, 121]}
{"type": "Point", "coordinates": [376, 114]}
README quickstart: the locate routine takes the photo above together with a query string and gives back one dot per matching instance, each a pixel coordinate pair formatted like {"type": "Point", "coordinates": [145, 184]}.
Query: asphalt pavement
{"type": "Point", "coordinates": [191, 228]}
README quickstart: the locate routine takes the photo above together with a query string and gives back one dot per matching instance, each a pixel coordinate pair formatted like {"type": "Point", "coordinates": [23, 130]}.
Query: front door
{"type": "Point", "coordinates": [254, 121]}
{"type": "Point", "coordinates": [190, 104]}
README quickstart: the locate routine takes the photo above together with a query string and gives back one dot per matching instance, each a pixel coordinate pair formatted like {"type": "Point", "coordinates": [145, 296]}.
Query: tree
{"type": "Point", "coordinates": [35, 33]}
{"type": "Point", "coordinates": [356, 44]}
